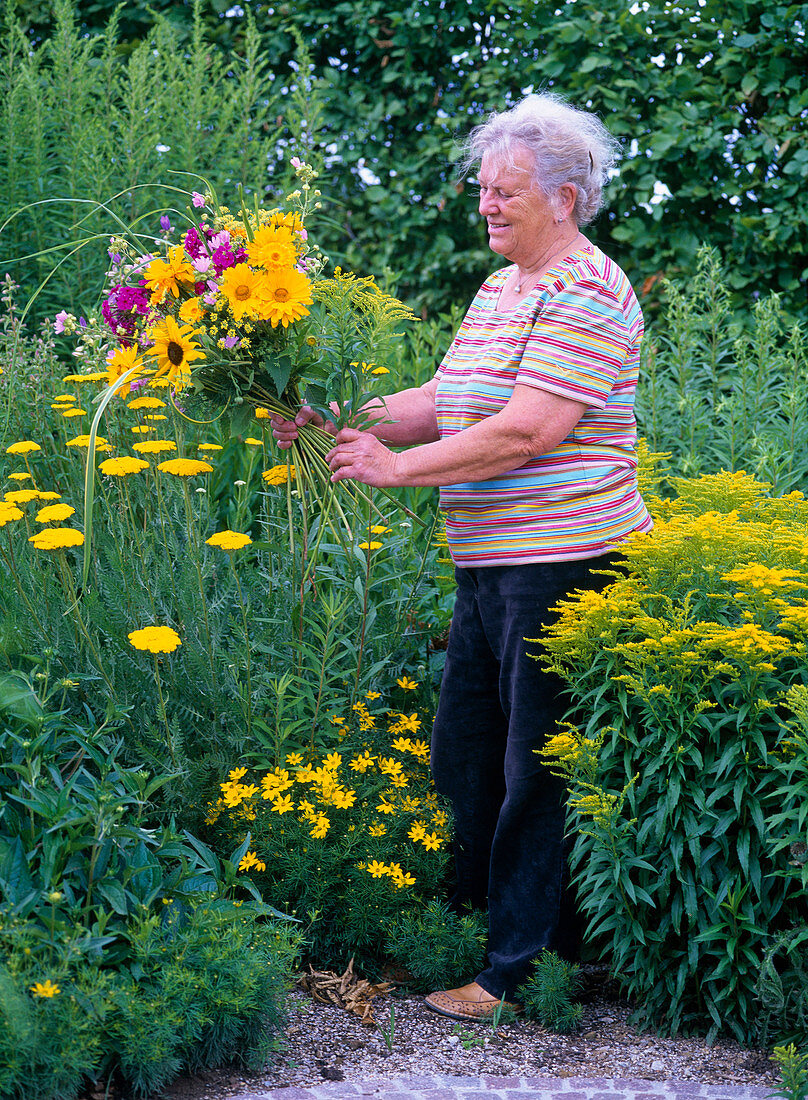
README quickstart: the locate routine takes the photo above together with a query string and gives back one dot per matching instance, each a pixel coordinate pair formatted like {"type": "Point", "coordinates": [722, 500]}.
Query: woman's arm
{"type": "Point", "coordinates": [532, 423]}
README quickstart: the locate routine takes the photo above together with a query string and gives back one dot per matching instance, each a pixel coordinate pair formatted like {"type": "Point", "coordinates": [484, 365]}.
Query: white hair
{"type": "Point", "coordinates": [568, 145]}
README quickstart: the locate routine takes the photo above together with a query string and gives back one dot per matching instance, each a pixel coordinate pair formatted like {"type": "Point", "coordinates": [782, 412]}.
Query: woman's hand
{"type": "Point", "coordinates": [360, 455]}
{"type": "Point", "coordinates": [286, 431]}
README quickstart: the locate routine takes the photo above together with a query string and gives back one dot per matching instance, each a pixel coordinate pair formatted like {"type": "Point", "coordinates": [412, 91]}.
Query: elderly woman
{"type": "Point", "coordinates": [528, 428]}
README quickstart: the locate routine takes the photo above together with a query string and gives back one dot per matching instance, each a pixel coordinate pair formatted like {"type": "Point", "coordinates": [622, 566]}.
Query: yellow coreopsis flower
{"type": "Point", "coordinates": [431, 841]}
{"type": "Point", "coordinates": [376, 869]}
{"type": "Point", "coordinates": [45, 989]}
{"type": "Point", "coordinates": [283, 804]}
{"type": "Point", "coordinates": [406, 684]}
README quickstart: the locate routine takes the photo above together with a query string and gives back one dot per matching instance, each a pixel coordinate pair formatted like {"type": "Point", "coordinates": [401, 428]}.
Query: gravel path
{"type": "Point", "coordinates": [329, 1054]}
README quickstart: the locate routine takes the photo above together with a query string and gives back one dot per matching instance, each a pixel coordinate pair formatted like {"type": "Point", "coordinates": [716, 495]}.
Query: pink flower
{"type": "Point", "coordinates": [59, 322]}
{"type": "Point", "coordinates": [296, 162]}
{"type": "Point", "coordinates": [197, 199]}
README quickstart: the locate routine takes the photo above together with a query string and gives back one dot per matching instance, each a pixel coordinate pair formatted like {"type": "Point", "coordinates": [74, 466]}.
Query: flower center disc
{"type": "Point", "coordinates": [242, 292]}
{"type": "Point", "coordinates": [281, 294]}
{"type": "Point", "coordinates": [175, 353]}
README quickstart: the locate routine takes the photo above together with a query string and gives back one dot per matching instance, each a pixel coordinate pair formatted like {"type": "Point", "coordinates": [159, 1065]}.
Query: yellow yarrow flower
{"type": "Point", "coordinates": [23, 447]}
{"type": "Point", "coordinates": [277, 475]}
{"type": "Point", "coordinates": [155, 639]}
{"type": "Point", "coordinates": [56, 538]}
{"type": "Point", "coordinates": [9, 513]}
{"type": "Point", "coordinates": [185, 467]}
{"type": "Point", "coordinates": [229, 540]}
{"type": "Point", "coordinates": [122, 467]}
{"type": "Point", "coordinates": [54, 513]}
{"type": "Point", "coordinates": [154, 446]}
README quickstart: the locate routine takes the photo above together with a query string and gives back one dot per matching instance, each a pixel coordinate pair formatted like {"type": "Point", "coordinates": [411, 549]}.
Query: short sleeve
{"type": "Point", "coordinates": [578, 344]}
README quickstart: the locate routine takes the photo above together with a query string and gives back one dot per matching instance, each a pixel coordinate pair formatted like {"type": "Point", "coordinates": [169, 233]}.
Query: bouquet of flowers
{"type": "Point", "coordinates": [236, 309]}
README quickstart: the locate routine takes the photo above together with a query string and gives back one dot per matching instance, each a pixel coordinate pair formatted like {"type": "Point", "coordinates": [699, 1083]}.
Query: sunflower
{"type": "Point", "coordinates": [165, 276]}
{"type": "Point", "coordinates": [242, 288]}
{"type": "Point", "coordinates": [285, 295]}
{"type": "Point", "coordinates": [119, 362]}
{"type": "Point", "coordinates": [174, 349]}
{"type": "Point", "coordinates": [272, 247]}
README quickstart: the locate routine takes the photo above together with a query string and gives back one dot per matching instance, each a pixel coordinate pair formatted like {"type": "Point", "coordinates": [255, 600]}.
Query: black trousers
{"type": "Point", "coordinates": [497, 706]}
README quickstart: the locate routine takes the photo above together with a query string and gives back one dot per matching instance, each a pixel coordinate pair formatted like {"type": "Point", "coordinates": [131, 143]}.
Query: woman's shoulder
{"type": "Point", "coordinates": [592, 271]}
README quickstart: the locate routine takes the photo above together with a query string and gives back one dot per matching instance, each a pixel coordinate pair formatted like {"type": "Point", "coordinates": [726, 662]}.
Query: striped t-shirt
{"type": "Point", "coordinates": [577, 334]}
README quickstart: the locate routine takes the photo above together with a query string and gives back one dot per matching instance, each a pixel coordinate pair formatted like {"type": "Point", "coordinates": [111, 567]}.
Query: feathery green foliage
{"type": "Point", "coordinates": [437, 946]}
{"type": "Point", "coordinates": [548, 994]}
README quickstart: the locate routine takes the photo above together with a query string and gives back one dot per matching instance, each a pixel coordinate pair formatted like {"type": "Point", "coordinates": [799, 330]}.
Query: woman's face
{"type": "Point", "coordinates": [519, 218]}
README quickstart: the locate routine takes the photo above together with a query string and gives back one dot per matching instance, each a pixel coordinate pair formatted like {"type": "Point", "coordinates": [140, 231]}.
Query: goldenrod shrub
{"type": "Point", "coordinates": [686, 668]}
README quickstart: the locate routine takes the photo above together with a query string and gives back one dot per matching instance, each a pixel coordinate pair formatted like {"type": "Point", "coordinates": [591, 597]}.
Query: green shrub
{"type": "Point", "coordinates": [438, 947]}
{"type": "Point", "coordinates": [684, 667]}
{"type": "Point", "coordinates": [120, 950]}
{"type": "Point", "coordinates": [547, 995]}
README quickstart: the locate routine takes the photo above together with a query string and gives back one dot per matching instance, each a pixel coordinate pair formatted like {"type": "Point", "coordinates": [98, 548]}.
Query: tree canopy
{"type": "Point", "coordinates": [708, 100]}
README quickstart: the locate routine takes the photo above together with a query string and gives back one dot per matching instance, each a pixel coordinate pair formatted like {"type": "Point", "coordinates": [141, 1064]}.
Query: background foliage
{"type": "Point", "coordinates": [708, 101]}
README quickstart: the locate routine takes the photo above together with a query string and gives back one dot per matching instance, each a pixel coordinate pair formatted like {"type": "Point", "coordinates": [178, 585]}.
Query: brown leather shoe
{"type": "Point", "coordinates": [469, 1002]}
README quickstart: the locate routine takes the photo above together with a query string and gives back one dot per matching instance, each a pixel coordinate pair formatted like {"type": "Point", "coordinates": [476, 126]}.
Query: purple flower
{"type": "Point", "coordinates": [123, 306]}
{"type": "Point", "coordinates": [59, 322]}
{"type": "Point", "coordinates": [197, 199]}
{"type": "Point", "coordinates": [223, 257]}
{"type": "Point", "coordinates": [231, 341]}
{"type": "Point", "coordinates": [193, 244]}
{"type": "Point", "coordinates": [165, 224]}
{"type": "Point", "coordinates": [82, 322]}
